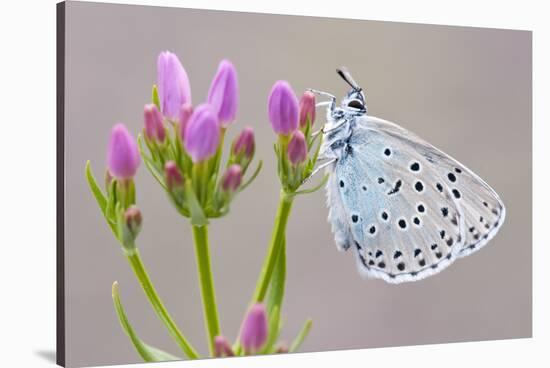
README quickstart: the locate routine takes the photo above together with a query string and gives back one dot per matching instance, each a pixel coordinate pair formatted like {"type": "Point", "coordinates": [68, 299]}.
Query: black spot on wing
{"type": "Point", "coordinates": [396, 187]}
{"type": "Point", "coordinates": [415, 166]}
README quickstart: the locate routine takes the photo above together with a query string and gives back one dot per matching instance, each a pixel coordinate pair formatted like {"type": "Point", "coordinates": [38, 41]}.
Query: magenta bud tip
{"type": "Point", "coordinates": [283, 108]}
{"type": "Point", "coordinates": [122, 153]}
{"type": "Point", "coordinates": [307, 108]}
{"type": "Point", "coordinates": [297, 148]}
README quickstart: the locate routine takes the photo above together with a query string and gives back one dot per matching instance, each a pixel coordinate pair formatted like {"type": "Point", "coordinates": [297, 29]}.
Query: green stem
{"type": "Point", "coordinates": [141, 274]}
{"type": "Point", "coordinates": [200, 234]}
{"type": "Point", "coordinates": [276, 247]}
{"type": "Point", "coordinates": [277, 242]}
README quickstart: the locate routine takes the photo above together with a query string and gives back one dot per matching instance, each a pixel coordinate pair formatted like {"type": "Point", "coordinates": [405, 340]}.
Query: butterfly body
{"type": "Point", "coordinates": [407, 209]}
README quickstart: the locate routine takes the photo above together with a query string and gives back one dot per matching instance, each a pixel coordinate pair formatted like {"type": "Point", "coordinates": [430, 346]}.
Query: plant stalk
{"type": "Point", "coordinates": [277, 242]}
{"type": "Point", "coordinates": [202, 252]}
{"type": "Point", "coordinates": [147, 286]}
{"type": "Point", "coordinates": [276, 247]}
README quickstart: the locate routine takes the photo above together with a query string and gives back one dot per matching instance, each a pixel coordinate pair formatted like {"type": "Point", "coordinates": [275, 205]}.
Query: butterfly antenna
{"type": "Point", "coordinates": [346, 76]}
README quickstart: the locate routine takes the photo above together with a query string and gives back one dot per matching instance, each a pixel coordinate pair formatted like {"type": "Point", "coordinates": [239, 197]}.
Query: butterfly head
{"type": "Point", "coordinates": [354, 102]}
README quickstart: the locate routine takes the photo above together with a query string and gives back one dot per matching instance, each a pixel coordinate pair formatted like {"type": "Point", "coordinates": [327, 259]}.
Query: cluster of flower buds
{"type": "Point", "coordinates": [185, 143]}
{"type": "Point", "coordinates": [119, 207]}
{"type": "Point", "coordinates": [292, 120]}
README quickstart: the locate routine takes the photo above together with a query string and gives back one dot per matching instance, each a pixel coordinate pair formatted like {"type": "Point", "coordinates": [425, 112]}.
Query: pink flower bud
{"type": "Point", "coordinates": [282, 348]}
{"type": "Point", "coordinates": [223, 94]}
{"type": "Point", "coordinates": [283, 108]}
{"type": "Point", "coordinates": [185, 113]}
{"type": "Point", "coordinates": [231, 180]}
{"type": "Point", "coordinates": [133, 220]}
{"type": "Point", "coordinates": [297, 148]}
{"type": "Point", "coordinates": [254, 329]}
{"type": "Point", "coordinates": [173, 84]}
{"type": "Point", "coordinates": [154, 128]}
{"type": "Point", "coordinates": [173, 176]}
{"type": "Point", "coordinates": [222, 347]}
{"type": "Point", "coordinates": [244, 143]}
{"type": "Point", "coordinates": [202, 134]}
{"type": "Point", "coordinates": [122, 154]}
{"type": "Point", "coordinates": [307, 108]}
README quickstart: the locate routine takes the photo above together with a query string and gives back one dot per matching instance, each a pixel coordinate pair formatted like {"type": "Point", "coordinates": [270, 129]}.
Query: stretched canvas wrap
{"type": "Point", "coordinates": [236, 184]}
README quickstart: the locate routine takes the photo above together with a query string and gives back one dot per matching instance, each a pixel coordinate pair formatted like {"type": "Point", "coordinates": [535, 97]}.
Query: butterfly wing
{"type": "Point", "coordinates": [388, 198]}
{"type": "Point", "coordinates": [484, 212]}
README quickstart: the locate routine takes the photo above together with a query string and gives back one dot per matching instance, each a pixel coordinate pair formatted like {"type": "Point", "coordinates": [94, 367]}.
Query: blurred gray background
{"type": "Point", "coordinates": [465, 90]}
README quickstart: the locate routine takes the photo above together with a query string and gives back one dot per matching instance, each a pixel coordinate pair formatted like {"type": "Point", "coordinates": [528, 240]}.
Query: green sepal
{"type": "Point", "coordinates": [198, 217]}
{"type": "Point", "coordinates": [211, 189]}
{"type": "Point", "coordinates": [301, 336]}
{"type": "Point", "coordinates": [307, 130]}
{"type": "Point", "coordinates": [155, 96]}
{"type": "Point", "coordinates": [112, 200]}
{"type": "Point", "coordinates": [316, 154]}
{"type": "Point", "coordinates": [125, 193]}
{"type": "Point", "coordinates": [150, 164]}
{"type": "Point", "coordinates": [124, 234]}
{"type": "Point", "coordinates": [147, 352]}
{"type": "Point", "coordinates": [215, 162]}
{"type": "Point", "coordinates": [313, 139]}
{"type": "Point", "coordinates": [177, 147]}
{"type": "Point", "coordinates": [313, 189]}
{"type": "Point", "coordinates": [252, 177]}
{"type": "Point", "coordinates": [99, 196]}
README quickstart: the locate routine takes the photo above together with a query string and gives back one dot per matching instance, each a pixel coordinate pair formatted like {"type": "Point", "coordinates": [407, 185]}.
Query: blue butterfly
{"type": "Point", "coordinates": [407, 209]}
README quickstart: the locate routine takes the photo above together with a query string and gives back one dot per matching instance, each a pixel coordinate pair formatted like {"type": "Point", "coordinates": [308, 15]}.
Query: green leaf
{"type": "Point", "coordinates": [95, 189]}
{"type": "Point", "coordinates": [254, 175]}
{"type": "Point", "coordinates": [155, 96]}
{"type": "Point", "coordinates": [99, 196]}
{"type": "Point", "coordinates": [301, 336]}
{"type": "Point", "coordinates": [147, 352]}
{"type": "Point", "coordinates": [198, 217]}
{"type": "Point", "coordinates": [274, 328]}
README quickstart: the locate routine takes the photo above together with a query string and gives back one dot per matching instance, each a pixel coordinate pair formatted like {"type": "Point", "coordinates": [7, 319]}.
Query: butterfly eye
{"type": "Point", "coordinates": [356, 104]}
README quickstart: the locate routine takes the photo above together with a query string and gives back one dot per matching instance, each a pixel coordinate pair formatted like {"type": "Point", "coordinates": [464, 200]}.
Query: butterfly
{"type": "Point", "coordinates": [407, 209]}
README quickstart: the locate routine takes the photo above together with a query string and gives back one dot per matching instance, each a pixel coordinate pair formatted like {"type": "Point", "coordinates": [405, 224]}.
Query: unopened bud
{"type": "Point", "coordinates": [307, 109]}
{"type": "Point", "coordinates": [154, 128]}
{"type": "Point", "coordinates": [174, 178]}
{"type": "Point", "coordinates": [232, 178]}
{"type": "Point", "coordinates": [297, 148]}
{"type": "Point", "coordinates": [244, 143]}
{"type": "Point", "coordinates": [222, 347]}
{"type": "Point", "coordinates": [185, 113]}
{"type": "Point", "coordinates": [282, 348]}
{"type": "Point", "coordinates": [132, 220]}
{"type": "Point", "coordinates": [254, 329]}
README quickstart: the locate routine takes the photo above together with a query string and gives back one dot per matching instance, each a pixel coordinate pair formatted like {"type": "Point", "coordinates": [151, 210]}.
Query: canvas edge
{"type": "Point", "coordinates": [60, 183]}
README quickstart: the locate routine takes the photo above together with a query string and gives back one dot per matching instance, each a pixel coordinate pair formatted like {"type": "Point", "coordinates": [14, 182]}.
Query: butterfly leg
{"type": "Point", "coordinates": [323, 103]}
{"type": "Point", "coordinates": [323, 130]}
{"type": "Point", "coordinates": [316, 133]}
{"type": "Point", "coordinates": [331, 103]}
{"type": "Point", "coordinates": [321, 93]}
